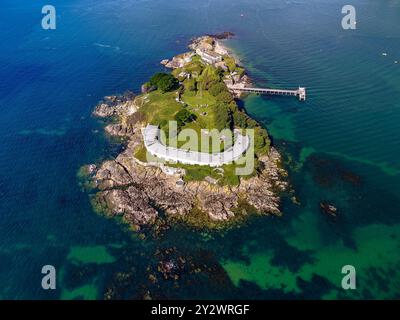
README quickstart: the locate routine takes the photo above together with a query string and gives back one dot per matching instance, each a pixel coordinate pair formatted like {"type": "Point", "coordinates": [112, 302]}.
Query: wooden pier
{"type": "Point", "coordinates": [300, 92]}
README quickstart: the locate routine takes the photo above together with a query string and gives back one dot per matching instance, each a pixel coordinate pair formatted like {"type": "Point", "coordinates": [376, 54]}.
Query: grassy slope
{"type": "Point", "coordinates": [158, 108]}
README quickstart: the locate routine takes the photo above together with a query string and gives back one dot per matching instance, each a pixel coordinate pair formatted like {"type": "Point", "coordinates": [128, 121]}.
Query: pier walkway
{"type": "Point", "coordinates": [300, 92]}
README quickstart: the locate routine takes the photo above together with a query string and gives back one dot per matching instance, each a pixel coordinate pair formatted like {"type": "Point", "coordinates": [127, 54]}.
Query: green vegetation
{"type": "Point", "coordinates": [240, 71]}
{"type": "Point", "coordinates": [94, 254]}
{"type": "Point", "coordinates": [195, 67]}
{"type": "Point", "coordinates": [224, 97]}
{"type": "Point", "coordinates": [232, 67]}
{"type": "Point", "coordinates": [164, 81]}
{"type": "Point", "coordinates": [222, 116]}
{"type": "Point", "coordinates": [225, 175]}
{"type": "Point", "coordinates": [184, 116]}
{"type": "Point", "coordinates": [158, 107]}
{"type": "Point", "coordinates": [141, 154]}
{"type": "Point", "coordinates": [208, 78]}
{"type": "Point", "coordinates": [261, 141]}
{"type": "Point", "coordinates": [230, 63]}
{"type": "Point", "coordinates": [147, 85]}
{"type": "Point", "coordinates": [217, 88]}
{"type": "Point", "coordinates": [190, 85]}
{"type": "Point", "coordinates": [202, 102]}
{"type": "Point", "coordinates": [198, 98]}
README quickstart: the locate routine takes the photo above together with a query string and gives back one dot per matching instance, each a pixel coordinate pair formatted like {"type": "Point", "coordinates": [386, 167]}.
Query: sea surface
{"type": "Point", "coordinates": [342, 146]}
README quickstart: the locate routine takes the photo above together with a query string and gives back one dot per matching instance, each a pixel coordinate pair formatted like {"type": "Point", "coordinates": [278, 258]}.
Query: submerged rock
{"type": "Point", "coordinates": [351, 177]}
{"type": "Point", "coordinates": [168, 269]}
{"type": "Point", "coordinates": [328, 209]}
{"type": "Point", "coordinates": [223, 35]}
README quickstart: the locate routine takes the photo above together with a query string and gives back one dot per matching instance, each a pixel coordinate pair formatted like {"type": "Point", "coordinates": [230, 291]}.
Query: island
{"type": "Point", "coordinates": [187, 143]}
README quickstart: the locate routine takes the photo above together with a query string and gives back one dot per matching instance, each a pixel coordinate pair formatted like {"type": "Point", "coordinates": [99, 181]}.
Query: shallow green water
{"type": "Point", "coordinates": [341, 146]}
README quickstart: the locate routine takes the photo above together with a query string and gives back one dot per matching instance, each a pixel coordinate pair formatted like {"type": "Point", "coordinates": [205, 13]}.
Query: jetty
{"type": "Point", "coordinates": [300, 92]}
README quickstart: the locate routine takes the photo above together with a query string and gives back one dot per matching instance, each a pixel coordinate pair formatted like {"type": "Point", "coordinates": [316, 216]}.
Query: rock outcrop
{"type": "Point", "coordinates": [137, 192]}
{"type": "Point", "coordinates": [178, 61]}
{"type": "Point", "coordinates": [112, 106]}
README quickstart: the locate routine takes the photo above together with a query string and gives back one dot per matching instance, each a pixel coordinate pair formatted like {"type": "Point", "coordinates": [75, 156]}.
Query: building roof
{"type": "Point", "coordinates": [156, 148]}
{"type": "Point", "coordinates": [212, 54]}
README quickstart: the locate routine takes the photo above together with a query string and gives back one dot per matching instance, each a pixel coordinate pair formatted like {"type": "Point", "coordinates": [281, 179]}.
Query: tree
{"type": "Point", "coordinates": [164, 81]}
{"type": "Point", "coordinates": [167, 83]}
{"type": "Point", "coordinates": [224, 97]}
{"type": "Point", "coordinates": [261, 140]}
{"type": "Point", "coordinates": [156, 78]}
{"type": "Point", "coordinates": [217, 88]}
{"type": "Point", "coordinates": [240, 119]}
{"type": "Point", "coordinates": [222, 117]}
{"type": "Point", "coordinates": [209, 76]}
{"type": "Point", "coordinates": [184, 116]}
{"type": "Point", "coordinates": [163, 123]}
{"type": "Point", "coordinates": [251, 123]}
{"type": "Point", "coordinates": [230, 62]}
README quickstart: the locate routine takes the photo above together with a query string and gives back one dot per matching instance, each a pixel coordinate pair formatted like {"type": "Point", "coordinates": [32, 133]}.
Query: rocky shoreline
{"type": "Point", "coordinates": [143, 193]}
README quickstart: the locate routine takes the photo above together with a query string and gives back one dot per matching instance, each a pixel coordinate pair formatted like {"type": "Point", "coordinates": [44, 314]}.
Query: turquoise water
{"type": "Point", "coordinates": [340, 146]}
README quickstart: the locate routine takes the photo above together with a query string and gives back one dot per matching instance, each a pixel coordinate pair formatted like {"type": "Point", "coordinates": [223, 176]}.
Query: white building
{"type": "Point", "coordinates": [154, 146]}
{"type": "Point", "coordinates": [209, 56]}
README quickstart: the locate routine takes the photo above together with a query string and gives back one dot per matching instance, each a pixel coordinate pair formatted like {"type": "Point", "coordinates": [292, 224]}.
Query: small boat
{"type": "Point", "coordinates": [384, 53]}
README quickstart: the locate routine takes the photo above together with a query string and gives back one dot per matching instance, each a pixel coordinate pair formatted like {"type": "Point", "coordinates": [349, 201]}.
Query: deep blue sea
{"type": "Point", "coordinates": [341, 145]}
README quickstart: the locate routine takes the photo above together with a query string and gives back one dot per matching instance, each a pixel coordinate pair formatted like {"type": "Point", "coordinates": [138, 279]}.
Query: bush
{"type": "Point", "coordinates": [209, 76]}
{"type": "Point", "coordinates": [261, 141]}
{"type": "Point", "coordinates": [233, 107]}
{"type": "Point", "coordinates": [251, 123]}
{"type": "Point", "coordinates": [217, 88]}
{"type": "Point", "coordinates": [195, 68]}
{"type": "Point", "coordinates": [164, 81]}
{"type": "Point", "coordinates": [163, 123]}
{"type": "Point", "coordinates": [240, 71]}
{"type": "Point", "coordinates": [190, 85]}
{"type": "Point", "coordinates": [225, 97]}
{"type": "Point", "coordinates": [184, 116]}
{"type": "Point", "coordinates": [156, 78]}
{"type": "Point", "coordinates": [167, 84]}
{"type": "Point", "coordinates": [240, 119]}
{"type": "Point", "coordinates": [230, 63]}
{"type": "Point", "coordinates": [222, 117]}
{"type": "Point", "coordinates": [147, 85]}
